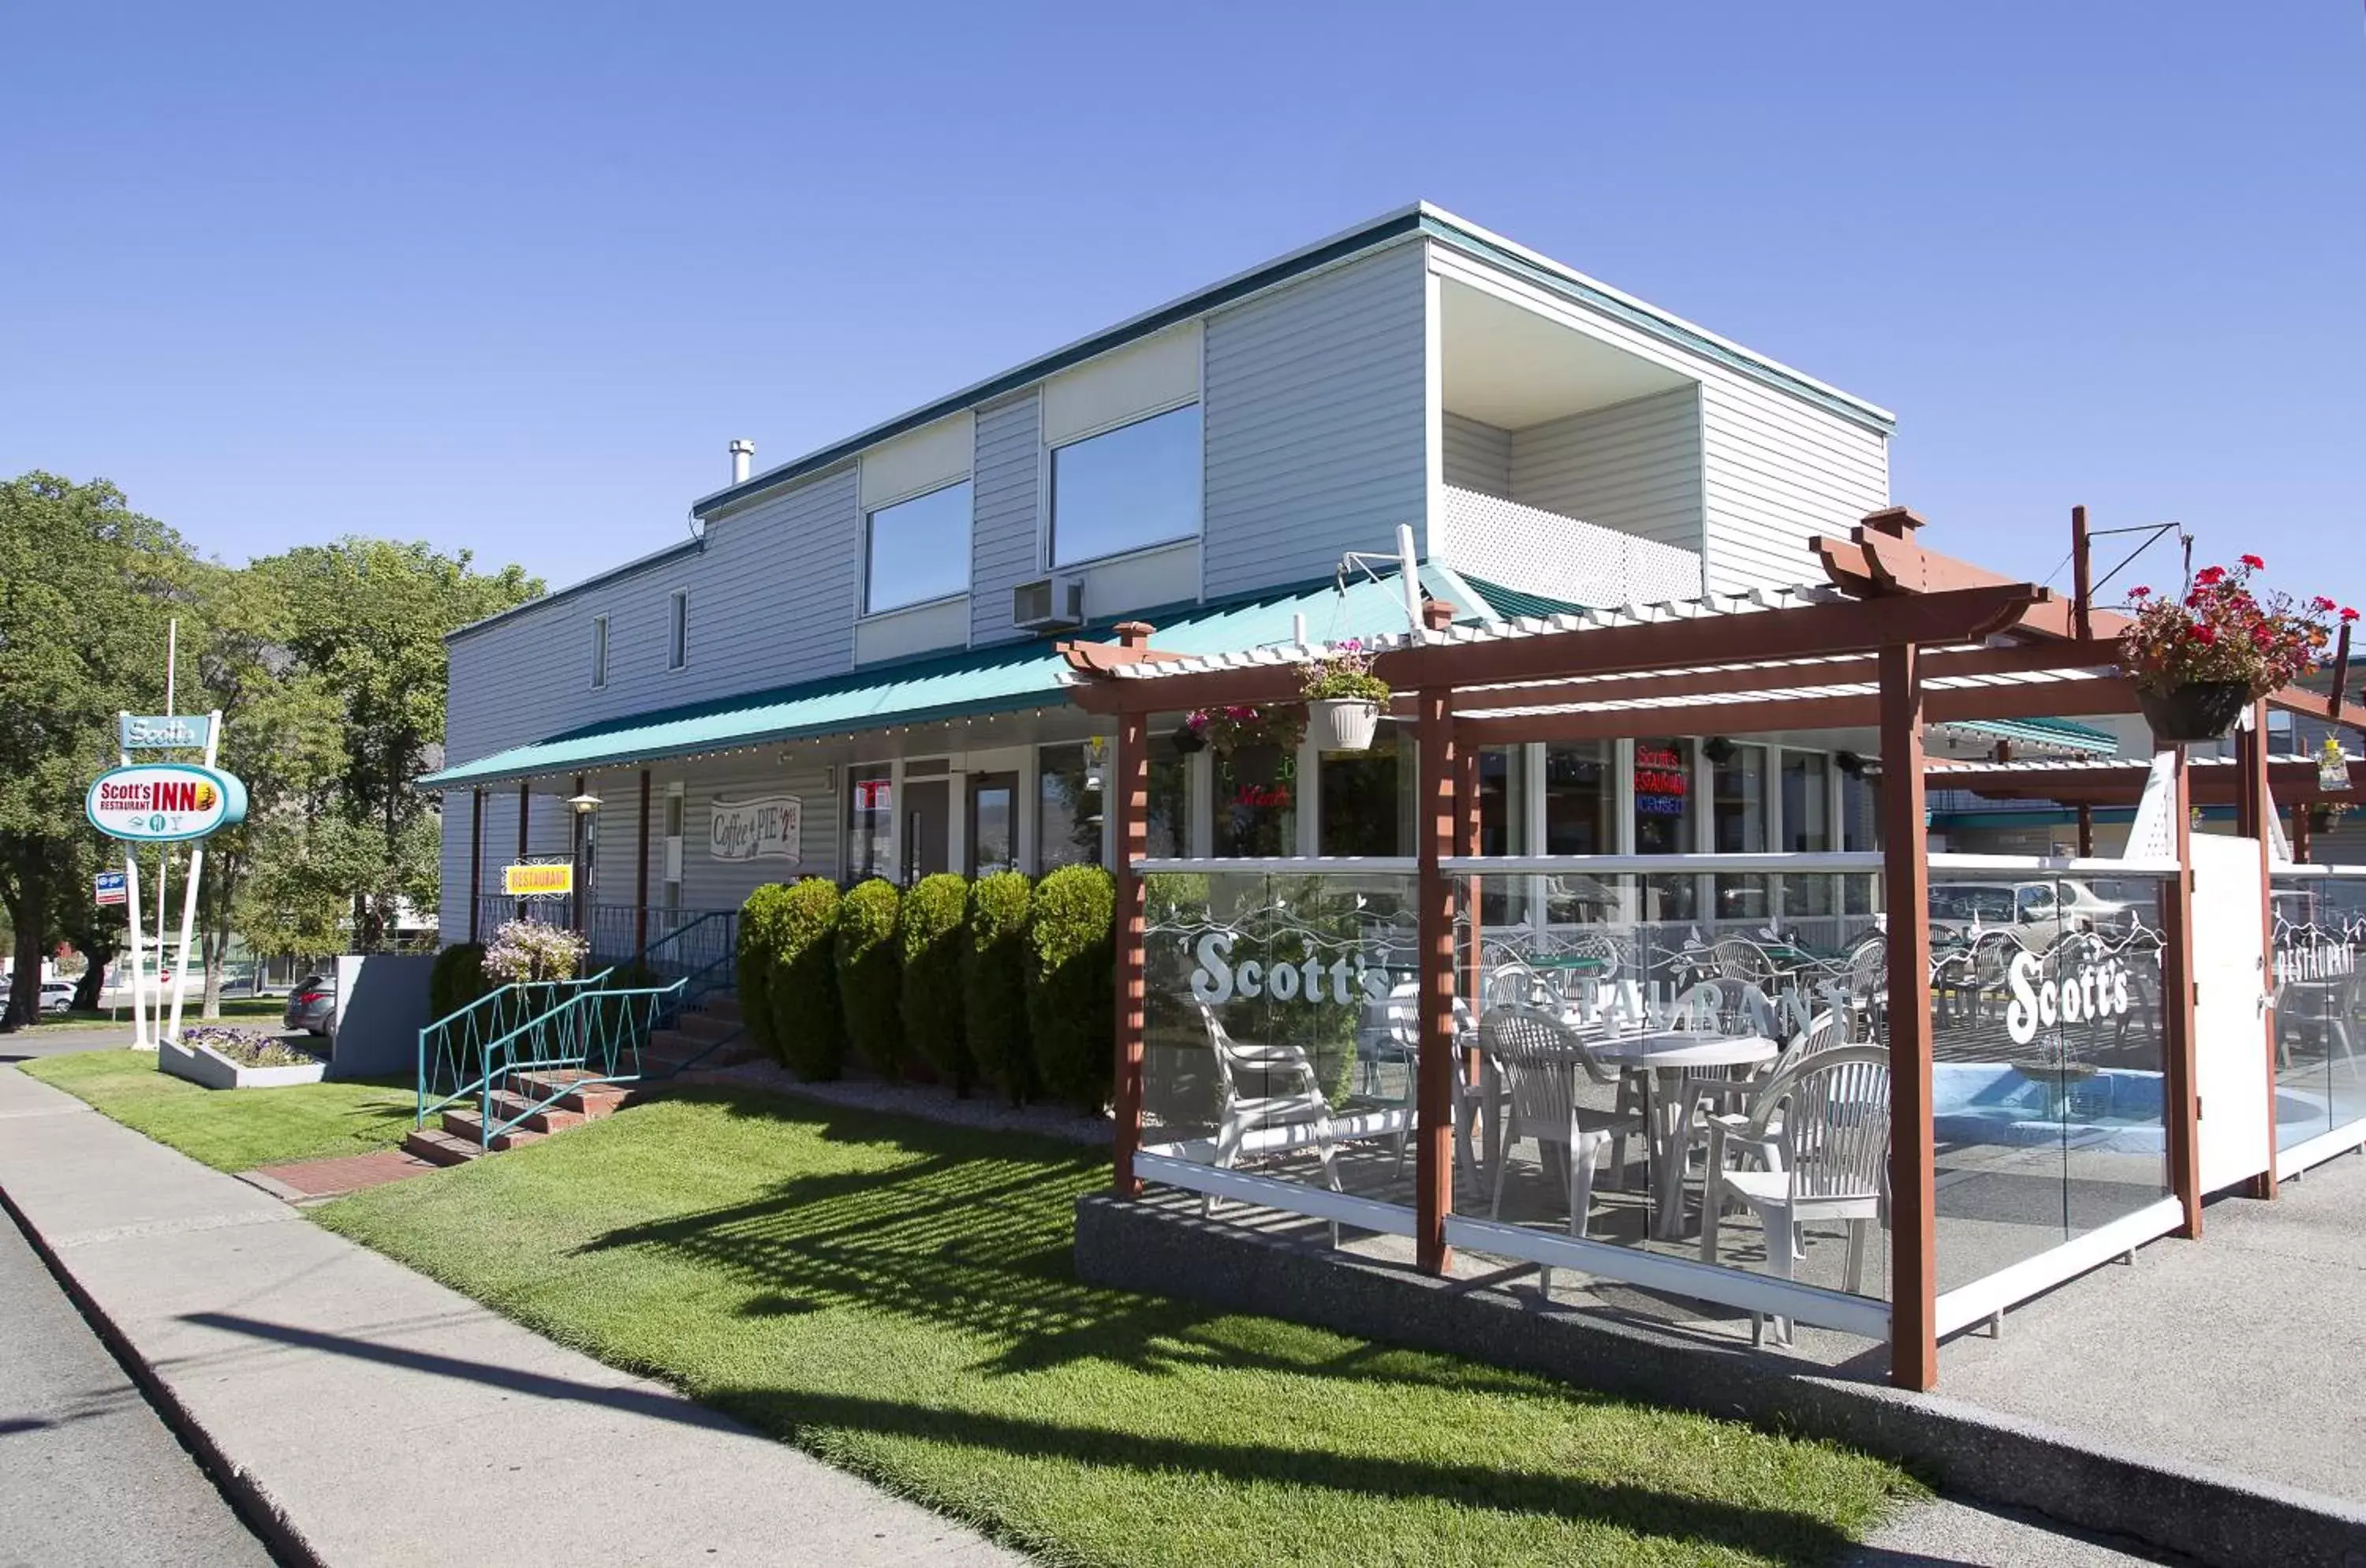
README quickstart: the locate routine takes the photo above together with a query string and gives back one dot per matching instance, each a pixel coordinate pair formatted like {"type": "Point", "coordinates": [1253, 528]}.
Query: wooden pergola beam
{"type": "Point", "coordinates": [1858, 626]}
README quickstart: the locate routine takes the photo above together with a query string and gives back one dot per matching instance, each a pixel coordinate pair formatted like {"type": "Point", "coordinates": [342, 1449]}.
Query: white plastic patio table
{"type": "Point", "coordinates": [1665, 1054]}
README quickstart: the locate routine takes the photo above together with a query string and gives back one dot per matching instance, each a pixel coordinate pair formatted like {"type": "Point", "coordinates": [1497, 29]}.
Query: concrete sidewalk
{"type": "Point", "coordinates": [381, 1418]}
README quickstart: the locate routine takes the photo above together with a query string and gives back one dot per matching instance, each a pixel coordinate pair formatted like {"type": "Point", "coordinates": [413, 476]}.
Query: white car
{"type": "Point", "coordinates": [57, 996]}
{"type": "Point", "coordinates": [2038, 914]}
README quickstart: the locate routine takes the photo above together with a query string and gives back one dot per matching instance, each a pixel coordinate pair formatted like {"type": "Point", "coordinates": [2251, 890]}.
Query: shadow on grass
{"type": "Point", "coordinates": [1789, 1536]}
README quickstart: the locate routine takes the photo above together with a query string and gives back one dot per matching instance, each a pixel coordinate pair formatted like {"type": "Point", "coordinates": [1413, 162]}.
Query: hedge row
{"type": "Point", "coordinates": [1000, 980]}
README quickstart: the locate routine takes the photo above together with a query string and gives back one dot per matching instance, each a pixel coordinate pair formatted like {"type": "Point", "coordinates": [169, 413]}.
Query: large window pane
{"type": "Point", "coordinates": [1257, 802]}
{"type": "Point", "coordinates": [918, 549]}
{"type": "Point", "coordinates": [1738, 825]}
{"type": "Point", "coordinates": [1068, 807]}
{"type": "Point", "coordinates": [1663, 824]}
{"type": "Point", "coordinates": [1806, 829]}
{"type": "Point", "coordinates": [1167, 825]}
{"type": "Point", "coordinates": [1127, 488]}
{"type": "Point", "coordinates": [870, 823]}
{"type": "Point", "coordinates": [1365, 811]}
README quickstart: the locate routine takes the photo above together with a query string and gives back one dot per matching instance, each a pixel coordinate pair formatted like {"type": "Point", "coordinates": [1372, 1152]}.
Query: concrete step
{"type": "Point", "coordinates": [707, 1025]}
{"type": "Point", "coordinates": [722, 1004]}
{"type": "Point", "coordinates": [439, 1147]}
{"type": "Point", "coordinates": [469, 1125]}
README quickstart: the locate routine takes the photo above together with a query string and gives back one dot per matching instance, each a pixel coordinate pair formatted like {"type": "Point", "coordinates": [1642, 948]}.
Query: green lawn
{"type": "Point", "coordinates": [896, 1296]}
{"type": "Point", "coordinates": [232, 1008]}
{"type": "Point", "coordinates": [233, 1129]}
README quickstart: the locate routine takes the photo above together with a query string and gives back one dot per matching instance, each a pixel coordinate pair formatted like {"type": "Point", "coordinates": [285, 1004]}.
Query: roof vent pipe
{"type": "Point", "coordinates": [741, 450]}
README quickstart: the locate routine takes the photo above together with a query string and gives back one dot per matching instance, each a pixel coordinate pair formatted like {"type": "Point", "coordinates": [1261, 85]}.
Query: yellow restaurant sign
{"type": "Point", "coordinates": [538, 881]}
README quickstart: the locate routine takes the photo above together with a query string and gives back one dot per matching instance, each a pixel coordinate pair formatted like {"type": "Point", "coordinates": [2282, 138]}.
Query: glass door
{"type": "Point", "coordinates": [992, 823]}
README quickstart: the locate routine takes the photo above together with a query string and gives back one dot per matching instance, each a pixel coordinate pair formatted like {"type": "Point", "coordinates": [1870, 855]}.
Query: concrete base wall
{"type": "Point", "coordinates": [2207, 1515]}
{"type": "Point", "coordinates": [381, 1008]}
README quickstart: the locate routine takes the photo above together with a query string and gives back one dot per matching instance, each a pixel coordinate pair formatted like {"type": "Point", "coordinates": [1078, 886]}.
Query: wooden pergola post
{"type": "Point", "coordinates": [1129, 799]}
{"type": "Point", "coordinates": [641, 874]}
{"type": "Point", "coordinates": [476, 855]}
{"type": "Point", "coordinates": [1906, 876]}
{"type": "Point", "coordinates": [526, 800]}
{"type": "Point", "coordinates": [2181, 1100]}
{"type": "Point", "coordinates": [2255, 817]}
{"type": "Point", "coordinates": [1434, 897]}
{"type": "Point", "coordinates": [2086, 829]}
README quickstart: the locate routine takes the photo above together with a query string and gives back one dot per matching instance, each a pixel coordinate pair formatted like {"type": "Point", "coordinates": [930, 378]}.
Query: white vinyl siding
{"type": "Point", "coordinates": [1158, 373]}
{"type": "Point", "coordinates": [1777, 473]}
{"type": "Point", "coordinates": [776, 587]}
{"type": "Point", "coordinates": [1315, 422]}
{"type": "Point", "coordinates": [1635, 467]}
{"type": "Point", "coordinates": [1006, 548]}
{"type": "Point", "coordinates": [1478, 456]}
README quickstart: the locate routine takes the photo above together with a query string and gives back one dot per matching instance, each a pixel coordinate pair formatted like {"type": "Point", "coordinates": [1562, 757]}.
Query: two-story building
{"type": "Point", "coordinates": [849, 670]}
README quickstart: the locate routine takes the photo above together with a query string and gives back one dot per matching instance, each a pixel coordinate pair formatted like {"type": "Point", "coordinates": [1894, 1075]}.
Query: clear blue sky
{"type": "Point", "coordinates": [509, 280]}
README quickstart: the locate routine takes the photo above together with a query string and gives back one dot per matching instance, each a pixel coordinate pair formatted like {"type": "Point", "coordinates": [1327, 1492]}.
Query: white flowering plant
{"type": "Point", "coordinates": [522, 952]}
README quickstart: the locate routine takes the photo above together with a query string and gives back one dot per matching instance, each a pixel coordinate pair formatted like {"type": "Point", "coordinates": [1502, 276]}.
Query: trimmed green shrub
{"type": "Point", "coordinates": [870, 973]}
{"type": "Point", "coordinates": [456, 979]}
{"type": "Point", "coordinates": [993, 983]}
{"type": "Point", "coordinates": [808, 1029]}
{"type": "Point", "coordinates": [1070, 981]}
{"type": "Point", "coordinates": [929, 935]}
{"type": "Point", "coordinates": [760, 935]}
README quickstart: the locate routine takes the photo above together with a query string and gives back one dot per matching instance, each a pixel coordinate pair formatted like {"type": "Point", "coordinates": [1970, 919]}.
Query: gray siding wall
{"type": "Point", "coordinates": [1007, 525]}
{"type": "Point", "coordinates": [1777, 472]}
{"type": "Point", "coordinates": [771, 601]}
{"type": "Point", "coordinates": [1635, 467]}
{"type": "Point", "coordinates": [546, 834]}
{"type": "Point", "coordinates": [1478, 456]}
{"type": "Point", "coordinates": [452, 903]}
{"type": "Point", "coordinates": [708, 883]}
{"type": "Point", "coordinates": [1315, 417]}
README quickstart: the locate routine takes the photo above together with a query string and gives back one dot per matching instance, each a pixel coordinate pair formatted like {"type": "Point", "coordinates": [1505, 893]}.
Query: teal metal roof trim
{"type": "Point", "coordinates": [1512, 603]}
{"type": "Point", "coordinates": [599, 579]}
{"type": "Point", "coordinates": [1420, 218]}
{"type": "Point", "coordinates": [2059, 732]}
{"type": "Point", "coordinates": [1003, 678]}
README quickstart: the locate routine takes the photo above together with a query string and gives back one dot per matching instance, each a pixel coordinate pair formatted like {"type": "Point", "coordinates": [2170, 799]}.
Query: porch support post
{"type": "Point", "coordinates": [1433, 1102]}
{"type": "Point", "coordinates": [1466, 804]}
{"type": "Point", "coordinates": [1129, 801]}
{"type": "Point", "coordinates": [2302, 838]}
{"type": "Point", "coordinates": [1906, 880]}
{"type": "Point", "coordinates": [575, 837]}
{"type": "Point", "coordinates": [525, 804]}
{"type": "Point", "coordinates": [2179, 1100]}
{"type": "Point", "coordinates": [476, 855]}
{"type": "Point", "coordinates": [2255, 816]}
{"type": "Point", "coordinates": [641, 876]}
{"type": "Point", "coordinates": [2086, 829]}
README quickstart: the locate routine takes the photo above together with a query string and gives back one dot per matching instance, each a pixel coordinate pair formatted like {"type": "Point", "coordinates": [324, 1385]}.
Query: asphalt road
{"type": "Point", "coordinates": [89, 1477]}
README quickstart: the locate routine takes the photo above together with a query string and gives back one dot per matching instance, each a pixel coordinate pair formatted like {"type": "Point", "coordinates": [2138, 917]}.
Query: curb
{"type": "Point", "coordinates": [253, 1505]}
{"type": "Point", "coordinates": [2210, 1516]}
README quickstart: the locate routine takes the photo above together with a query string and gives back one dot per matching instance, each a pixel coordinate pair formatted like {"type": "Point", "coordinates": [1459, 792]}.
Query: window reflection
{"type": "Point", "coordinates": [917, 550]}
{"type": "Point", "coordinates": [1128, 488]}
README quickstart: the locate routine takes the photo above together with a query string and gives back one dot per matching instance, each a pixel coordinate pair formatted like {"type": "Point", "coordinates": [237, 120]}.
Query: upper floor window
{"type": "Point", "coordinates": [678, 630]}
{"type": "Point", "coordinates": [599, 651]}
{"type": "Point", "coordinates": [1127, 489]}
{"type": "Point", "coordinates": [917, 550]}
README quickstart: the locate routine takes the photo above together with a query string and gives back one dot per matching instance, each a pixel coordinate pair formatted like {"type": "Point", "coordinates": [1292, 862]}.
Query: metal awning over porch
{"type": "Point", "coordinates": [1004, 678]}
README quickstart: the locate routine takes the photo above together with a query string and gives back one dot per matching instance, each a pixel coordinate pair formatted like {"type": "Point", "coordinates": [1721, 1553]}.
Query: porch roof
{"type": "Point", "coordinates": [1002, 678]}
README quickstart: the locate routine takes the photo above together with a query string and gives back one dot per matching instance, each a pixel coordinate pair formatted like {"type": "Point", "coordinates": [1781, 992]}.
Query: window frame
{"type": "Point", "coordinates": [1049, 556]}
{"type": "Point", "coordinates": [678, 629]}
{"type": "Point", "coordinates": [865, 609]}
{"type": "Point", "coordinates": [599, 652]}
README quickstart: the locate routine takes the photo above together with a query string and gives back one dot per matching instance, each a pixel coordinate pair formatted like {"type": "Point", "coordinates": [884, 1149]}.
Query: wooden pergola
{"type": "Point", "coordinates": [1895, 638]}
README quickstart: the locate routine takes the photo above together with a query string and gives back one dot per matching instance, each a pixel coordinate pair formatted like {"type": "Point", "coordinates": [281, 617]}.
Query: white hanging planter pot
{"type": "Point", "coordinates": [1342, 724]}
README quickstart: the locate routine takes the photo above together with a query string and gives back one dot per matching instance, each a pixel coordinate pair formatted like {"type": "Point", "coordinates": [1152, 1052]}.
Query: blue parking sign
{"type": "Point", "coordinates": [106, 889]}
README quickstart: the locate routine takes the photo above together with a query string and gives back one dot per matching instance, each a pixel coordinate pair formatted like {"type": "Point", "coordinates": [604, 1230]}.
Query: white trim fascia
{"type": "Point", "coordinates": [1983, 1298]}
{"type": "Point", "coordinates": [2313, 1152]}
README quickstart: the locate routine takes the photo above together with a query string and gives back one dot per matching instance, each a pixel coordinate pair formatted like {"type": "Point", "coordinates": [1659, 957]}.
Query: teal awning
{"type": "Point", "coordinates": [2056, 734]}
{"type": "Point", "coordinates": [1005, 678]}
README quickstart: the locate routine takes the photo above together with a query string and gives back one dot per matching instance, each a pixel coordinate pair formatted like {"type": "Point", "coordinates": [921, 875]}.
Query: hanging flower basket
{"type": "Point", "coordinates": [2197, 711]}
{"type": "Point", "coordinates": [1343, 724]}
{"type": "Point", "coordinates": [1343, 698]}
{"type": "Point", "coordinates": [2198, 661]}
{"type": "Point", "coordinates": [1187, 740]}
{"type": "Point", "coordinates": [1227, 729]}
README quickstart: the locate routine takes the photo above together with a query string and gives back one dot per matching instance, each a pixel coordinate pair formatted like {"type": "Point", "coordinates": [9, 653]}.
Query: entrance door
{"type": "Point", "coordinates": [992, 823]}
{"type": "Point", "coordinates": [2229, 1010]}
{"type": "Point", "coordinates": [927, 828]}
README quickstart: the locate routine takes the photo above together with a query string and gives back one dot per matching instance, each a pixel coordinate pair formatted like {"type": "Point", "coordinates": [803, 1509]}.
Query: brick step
{"type": "Point", "coordinates": [705, 1025]}
{"type": "Point", "coordinates": [591, 1101]}
{"type": "Point", "coordinates": [439, 1147]}
{"type": "Point", "coordinates": [469, 1124]}
{"type": "Point", "coordinates": [670, 1050]}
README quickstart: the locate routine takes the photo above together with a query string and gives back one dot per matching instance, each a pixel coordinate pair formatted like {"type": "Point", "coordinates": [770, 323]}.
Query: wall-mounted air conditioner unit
{"type": "Point", "coordinates": [1048, 604]}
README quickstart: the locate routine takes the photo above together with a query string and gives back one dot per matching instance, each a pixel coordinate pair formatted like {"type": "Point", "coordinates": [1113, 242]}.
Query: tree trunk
{"type": "Point", "coordinates": [23, 1006]}
{"type": "Point", "coordinates": [93, 983]}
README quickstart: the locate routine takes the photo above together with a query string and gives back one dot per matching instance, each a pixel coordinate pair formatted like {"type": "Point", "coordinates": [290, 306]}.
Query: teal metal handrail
{"type": "Point", "coordinates": [590, 1036]}
{"type": "Point", "coordinates": [454, 1049]}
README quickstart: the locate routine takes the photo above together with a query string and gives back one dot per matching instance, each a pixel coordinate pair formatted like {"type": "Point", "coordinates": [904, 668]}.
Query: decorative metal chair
{"type": "Point", "coordinates": [1819, 1133]}
{"type": "Point", "coordinates": [1290, 1095]}
{"type": "Point", "coordinates": [1539, 1060]}
{"type": "Point", "coordinates": [1739, 958]}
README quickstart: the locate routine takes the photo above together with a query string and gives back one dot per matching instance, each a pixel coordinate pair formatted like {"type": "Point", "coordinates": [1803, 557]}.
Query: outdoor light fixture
{"type": "Point", "coordinates": [1719, 749]}
{"type": "Point", "coordinates": [584, 805]}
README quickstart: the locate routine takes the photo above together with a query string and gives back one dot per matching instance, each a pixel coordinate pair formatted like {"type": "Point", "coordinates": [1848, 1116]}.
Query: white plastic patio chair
{"type": "Point", "coordinates": [1819, 1132]}
{"type": "Point", "coordinates": [1300, 1105]}
{"type": "Point", "coordinates": [1539, 1060]}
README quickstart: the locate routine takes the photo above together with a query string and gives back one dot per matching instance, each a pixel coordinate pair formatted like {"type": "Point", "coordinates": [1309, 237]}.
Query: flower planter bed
{"type": "Point", "coordinates": [215, 1057]}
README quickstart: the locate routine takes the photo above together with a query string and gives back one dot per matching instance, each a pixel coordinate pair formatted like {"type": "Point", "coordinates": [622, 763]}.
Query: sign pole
{"type": "Point", "coordinates": [189, 892]}
{"type": "Point", "coordinates": [140, 1039]}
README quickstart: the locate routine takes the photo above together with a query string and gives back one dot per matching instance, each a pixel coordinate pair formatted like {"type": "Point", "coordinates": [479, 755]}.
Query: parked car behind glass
{"type": "Point", "coordinates": [312, 1005]}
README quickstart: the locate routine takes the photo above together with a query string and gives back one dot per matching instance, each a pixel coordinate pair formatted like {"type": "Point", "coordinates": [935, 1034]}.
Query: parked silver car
{"type": "Point", "coordinates": [2036, 914]}
{"type": "Point", "coordinates": [312, 1005]}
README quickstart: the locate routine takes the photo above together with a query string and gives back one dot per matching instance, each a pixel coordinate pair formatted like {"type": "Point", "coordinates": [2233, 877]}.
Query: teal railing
{"type": "Point", "coordinates": [593, 1028]}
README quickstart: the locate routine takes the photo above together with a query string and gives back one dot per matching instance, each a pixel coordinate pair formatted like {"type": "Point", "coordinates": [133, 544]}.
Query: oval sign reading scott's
{"type": "Point", "coordinates": [158, 802]}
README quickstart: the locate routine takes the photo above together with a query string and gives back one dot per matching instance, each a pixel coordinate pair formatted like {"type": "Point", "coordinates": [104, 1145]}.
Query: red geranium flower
{"type": "Point", "coordinates": [2254, 563]}
{"type": "Point", "coordinates": [2147, 593]}
{"type": "Point", "coordinates": [2209, 575]}
{"type": "Point", "coordinates": [2322, 605]}
{"type": "Point", "coordinates": [2205, 634]}
{"type": "Point", "coordinates": [2347, 614]}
